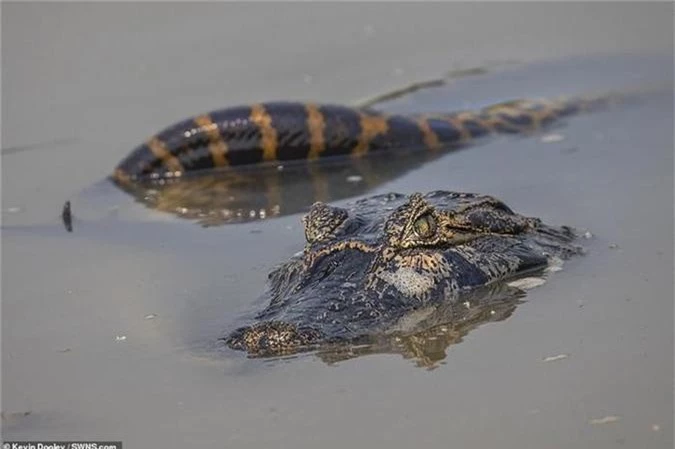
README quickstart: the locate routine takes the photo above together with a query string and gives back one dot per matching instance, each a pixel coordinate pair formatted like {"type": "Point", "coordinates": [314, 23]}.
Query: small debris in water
{"type": "Point", "coordinates": [613, 246]}
{"type": "Point", "coordinates": [12, 210]}
{"type": "Point", "coordinates": [120, 337]}
{"type": "Point", "coordinates": [256, 231]}
{"type": "Point", "coordinates": [580, 303]}
{"type": "Point", "coordinates": [554, 358]}
{"type": "Point", "coordinates": [656, 427]}
{"type": "Point", "coordinates": [150, 316]}
{"type": "Point", "coordinates": [13, 415]}
{"type": "Point", "coordinates": [67, 216]}
{"type": "Point", "coordinates": [587, 235]}
{"type": "Point", "coordinates": [555, 264]}
{"type": "Point", "coordinates": [605, 420]}
{"type": "Point", "coordinates": [527, 283]}
{"type": "Point", "coordinates": [354, 178]}
{"type": "Point", "coordinates": [280, 167]}
{"type": "Point", "coordinates": [551, 138]}
{"type": "Point", "coordinates": [64, 350]}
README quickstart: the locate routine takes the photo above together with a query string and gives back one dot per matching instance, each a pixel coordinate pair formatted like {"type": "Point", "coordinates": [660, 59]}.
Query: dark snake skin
{"type": "Point", "coordinates": [282, 132]}
{"type": "Point", "coordinates": [268, 160]}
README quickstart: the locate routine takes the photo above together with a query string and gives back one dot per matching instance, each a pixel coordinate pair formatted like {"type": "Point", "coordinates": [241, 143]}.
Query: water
{"type": "Point", "coordinates": [107, 332]}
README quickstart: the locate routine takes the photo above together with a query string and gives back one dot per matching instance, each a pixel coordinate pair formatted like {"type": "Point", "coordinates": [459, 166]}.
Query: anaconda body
{"type": "Point", "coordinates": [280, 132]}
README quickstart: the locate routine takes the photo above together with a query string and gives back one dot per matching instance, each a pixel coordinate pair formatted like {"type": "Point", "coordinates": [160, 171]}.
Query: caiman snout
{"type": "Point", "coordinates": [272, 337]}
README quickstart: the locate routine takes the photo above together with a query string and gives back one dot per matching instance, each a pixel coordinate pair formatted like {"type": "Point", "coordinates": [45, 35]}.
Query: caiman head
{"type": "Point", "coordinates": [365, 268]}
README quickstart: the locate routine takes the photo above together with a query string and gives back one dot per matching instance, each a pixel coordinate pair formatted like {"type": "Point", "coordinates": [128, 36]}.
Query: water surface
{"type": "Point", "coordinates": [108, 332]}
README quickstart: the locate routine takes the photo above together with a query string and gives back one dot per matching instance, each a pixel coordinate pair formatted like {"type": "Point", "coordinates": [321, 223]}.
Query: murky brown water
{"type": "Point", "coordinates": [107, 333]}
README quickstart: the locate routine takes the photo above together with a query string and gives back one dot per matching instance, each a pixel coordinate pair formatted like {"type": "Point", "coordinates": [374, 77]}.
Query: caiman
{"type": "Point", "coordinates": [364, 269]}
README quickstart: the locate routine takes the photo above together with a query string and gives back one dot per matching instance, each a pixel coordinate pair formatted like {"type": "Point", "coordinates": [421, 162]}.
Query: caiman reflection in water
{"type": "Point", "coordinates": [426, 335]}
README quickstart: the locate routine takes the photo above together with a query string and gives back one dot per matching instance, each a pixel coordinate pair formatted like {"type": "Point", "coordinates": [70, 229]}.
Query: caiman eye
{"type": "Point", "coordinates": [425, 226]}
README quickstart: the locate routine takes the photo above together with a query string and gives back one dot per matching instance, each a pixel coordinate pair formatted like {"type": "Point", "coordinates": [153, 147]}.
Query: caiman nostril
{"type": "Point", "coordinates": [322, 220]}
